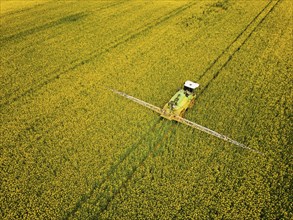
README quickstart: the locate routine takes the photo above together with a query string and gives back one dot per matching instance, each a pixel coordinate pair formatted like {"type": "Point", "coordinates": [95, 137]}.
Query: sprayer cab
{"type": "Point", "coordinates": [190, 86]}
{"type": "Point", "coordinates": [181, 101]}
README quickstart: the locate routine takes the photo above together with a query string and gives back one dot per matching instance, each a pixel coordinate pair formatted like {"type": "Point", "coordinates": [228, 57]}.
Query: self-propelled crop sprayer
{"type": "Point", "coordinates": [174, 110]}
{"type": "Point", "coordinates": [181, 101]}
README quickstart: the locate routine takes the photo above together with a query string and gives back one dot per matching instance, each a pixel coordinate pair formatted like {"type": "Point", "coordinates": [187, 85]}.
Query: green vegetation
{"type": "Point", "coordinates": [71, 149]}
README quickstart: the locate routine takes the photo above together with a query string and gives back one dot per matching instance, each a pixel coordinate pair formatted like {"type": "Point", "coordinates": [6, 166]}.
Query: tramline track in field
{"type": "Point", "coordinates": [104, 191]}
{"type": "Point", "coordinates": [65, 40]}
{"type": "Point", "coordinates": [213, 71]}
{"type": "Point", "coordinates": [154, 147]}
{"type": "Point", "coordinates": [52, 76]}
{"type": "Point", "coordinates": [88, 29]}
{"type": "Point", "coordinates": [27, 9]}
{"type": "Point", "coordinates": [85, 29]}
{"type": "Point", "coordinates": [53, 9]}
{"type": "Point", "coordinates": [63, 20]}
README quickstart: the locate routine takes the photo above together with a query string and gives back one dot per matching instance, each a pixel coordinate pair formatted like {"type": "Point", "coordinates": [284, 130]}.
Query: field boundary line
{"type": "Point", "coordinates": [223, 59]}
{"type": "Point", "coordinates": [93, 55]}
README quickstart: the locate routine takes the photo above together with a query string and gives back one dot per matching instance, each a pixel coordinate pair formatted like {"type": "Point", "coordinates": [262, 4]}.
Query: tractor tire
{"type": "Point", "coordinates": [191, 103]}
{"type": "Point", "coordinates": [182, 113]}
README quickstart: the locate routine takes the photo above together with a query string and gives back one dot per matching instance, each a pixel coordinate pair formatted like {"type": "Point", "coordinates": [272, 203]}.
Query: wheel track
{"type": "Point", "coordinates": [154, 151]}
{"type": "Point", "coordinates": [85, 28]}
{"type": "Point", "coordinates": [24, 49]}
{"type": "Point", "coordinates": [113, 169]}
{"type": "Point", "coordinates": [230, 45]}
{"type": "Point", "coordinates": [25, 33]}
{"type": "Point", "coordinates": [54, 24]}
{"type": "Point", "coordinates": [95, 54]}
{"type": "Point", "coordinates": [68, 40]}
{"type": "Point", "coordinates": [7, 14]}
{"type": "Point", "coordinates": [40, 124]}
{"type": "Point", "coordinates": [157, 146]}
{"type": "Point", "coordinates": [83, 13]}
{"type": "Point", "coordinates": [224, 58]}
{"type": "Point", "coordinates": [27, 20]}
{"type": "Point", "coordinates": [68, 4]}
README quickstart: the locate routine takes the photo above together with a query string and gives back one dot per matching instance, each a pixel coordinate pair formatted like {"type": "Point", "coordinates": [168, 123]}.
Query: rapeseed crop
{"type": "Point", "coordinates": [70, 149]}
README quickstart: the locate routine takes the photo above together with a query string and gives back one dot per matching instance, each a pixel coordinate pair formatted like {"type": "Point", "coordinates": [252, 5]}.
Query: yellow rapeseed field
{"type": "Point", "coordinates": [11, 6]}
{"type": "Point", "coordinates": [72, 149]}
